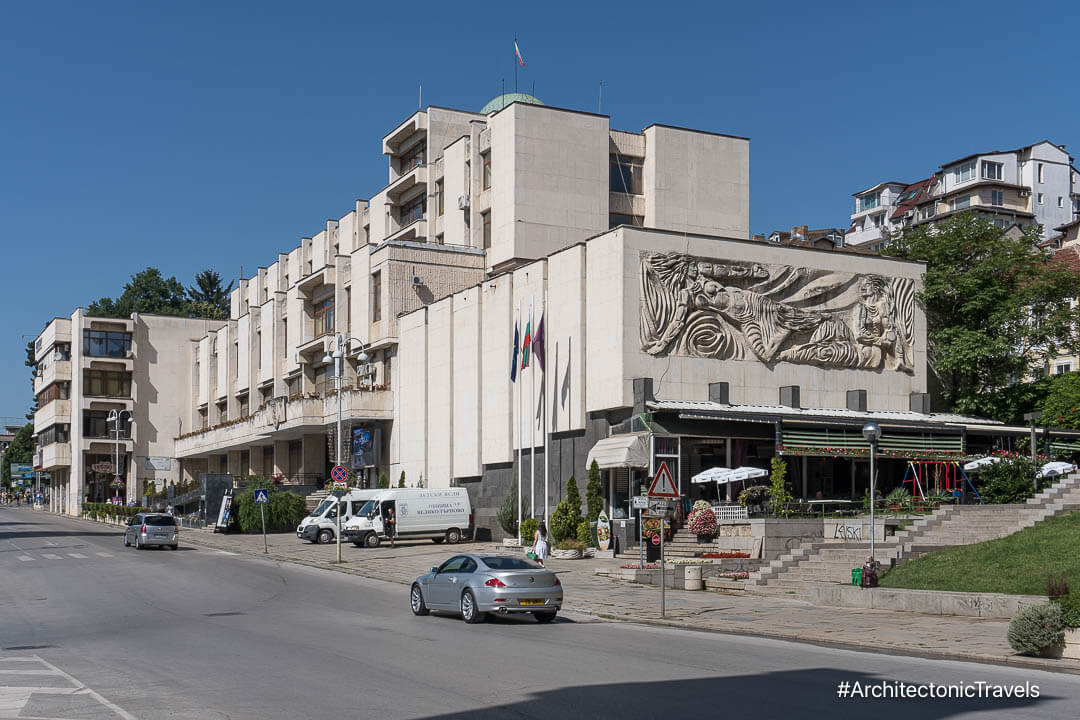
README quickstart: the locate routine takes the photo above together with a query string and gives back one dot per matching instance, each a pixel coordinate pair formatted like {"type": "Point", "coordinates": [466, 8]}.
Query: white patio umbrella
{"type": "Point", "coordinates": [1053, 469]}
{"type": "Point", "coordinates": [711, 475]}
{"type": "Point", "coordinates": [723, 476]}
{"type": "Point", "coordinates": [979, 463]}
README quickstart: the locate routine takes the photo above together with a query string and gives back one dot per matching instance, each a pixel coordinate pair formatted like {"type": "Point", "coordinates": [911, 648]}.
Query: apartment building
{"type": "Point", "coordinates": [469, 195]}
{"type": "Point", "coordinates": [88, 368]}
{"type": "Point", "coordinates": [804, 236]}
{"type": "Point", "coordinates": [1035, 184]}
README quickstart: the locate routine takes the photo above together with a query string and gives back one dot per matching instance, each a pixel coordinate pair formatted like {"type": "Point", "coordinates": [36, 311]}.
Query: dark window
{"type": "Point", "coordinates": [55, 391]}
{"type": "Point", "coordinates": [454, 564]}
{"type": "Point", "coordinates": [486, 218]}
{"type": "Point", "coordinates": [376, 296]}
{"type": "Point", "coordinates": [412, 211]}
{"type": "Point", "coordinates": [160, 520]}
{"type": "Point", "coordinates": [106, 383]}
{"type": "Point", "coordinates": [440, 194]}
{"type": "Point", "coordinates": [324, 317]}
{"type": "Point", "coordinates": [96, 425]}
{"type": "Point", "coordinates": [99, 343]}
{"type": "Point", "coordinates": [485, 159]}
{"type": "Point", "coordinates": [53, 434]}
{"type": "Point", "coordinates": [627, 175]}
{"type": "Point", "coordinates": [617, 219]}
{"type": "Point", "coordinates": [508, 563]}
{"type": "Point", "coordinates": [413, 157]}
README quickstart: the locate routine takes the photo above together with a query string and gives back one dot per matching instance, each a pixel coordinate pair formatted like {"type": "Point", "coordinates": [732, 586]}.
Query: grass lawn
{"type": "Point", "coordinates": [1019, 564]}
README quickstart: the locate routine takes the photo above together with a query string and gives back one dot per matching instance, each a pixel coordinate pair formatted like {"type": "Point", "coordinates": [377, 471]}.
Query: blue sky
{"type": "Point", "coordinates": [198, 134]}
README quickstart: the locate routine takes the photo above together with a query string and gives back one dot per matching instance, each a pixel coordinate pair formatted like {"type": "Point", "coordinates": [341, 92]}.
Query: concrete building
{"type": "Point", "coordinates": [88, 367]}
{"type": "Point", "coordinates": [1035, 184]}
{"type": "Point", "coordinates": [803, 236]}
{"type": "Point", "coordinates": [469, 196]}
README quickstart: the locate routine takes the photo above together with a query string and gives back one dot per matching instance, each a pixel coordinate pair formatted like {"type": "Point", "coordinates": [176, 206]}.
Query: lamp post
{"type": "Point", "coordinates": [114, 417]}
{"type": "Point", "coordinates": [872, 431]}
{"type": "Point", "coordinates": [338, 359]}
{"type": "Point", "coordinates": [1033, 416]}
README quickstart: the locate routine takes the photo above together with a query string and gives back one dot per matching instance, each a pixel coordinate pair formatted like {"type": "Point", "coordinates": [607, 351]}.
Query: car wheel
{"type": "Point", "coordinates": [453, 536]}
{"type": "Point", "coordinates": [325, 536]}
{"type": "Point", "coordinates": [174, 546]}
{"type": "Point", "coordinates": [138, 545]}
{"type": "Point", "coordinates": [437, 541]}
{"type": "Point", "coordinates": [127, 543]}
{"type": "Point", "coordinates": [357, 543]}
{"type": "Point", "coordinates": [545, 617]}
{"type": "Point", "coordinates": [469, 611]}
{"type": "Point", "coordinates": [371, 540]}
{"type": "Point", "coordinates": [416, 600]}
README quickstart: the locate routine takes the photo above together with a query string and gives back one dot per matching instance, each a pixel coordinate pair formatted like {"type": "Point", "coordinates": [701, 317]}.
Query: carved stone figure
{"type": "Point", "coordinates": [776, 313]}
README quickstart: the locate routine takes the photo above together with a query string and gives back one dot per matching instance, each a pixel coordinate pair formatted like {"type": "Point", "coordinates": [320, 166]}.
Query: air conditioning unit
{"type": "Point", "coordinates": [463, 202]}
{"type": "Point", "coordinates": [417, 280]}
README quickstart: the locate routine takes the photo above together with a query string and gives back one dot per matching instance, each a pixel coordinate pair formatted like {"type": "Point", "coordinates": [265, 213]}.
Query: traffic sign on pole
{"type": "Point", "coordinates": [663, 485]}
{"type": "Point", "coordinates": [656, 539]}
{"type": "Point", "coordinates": [339, 474]}
{"type": "Point", "coordinates": [262, 495]}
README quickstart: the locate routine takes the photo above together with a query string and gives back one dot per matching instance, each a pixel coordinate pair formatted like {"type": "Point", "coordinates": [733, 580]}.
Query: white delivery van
{"type": "Point", "coordinates": [321, 525]}
{"type": "Point", "coordinates": [437, 513]}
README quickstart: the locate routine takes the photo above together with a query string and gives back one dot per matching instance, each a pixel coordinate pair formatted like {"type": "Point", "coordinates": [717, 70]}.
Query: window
{"type": "Point", "coordinates": [1061, 201]}
{"type": "Point", "coordinates": [223, 411]}
{"type": "Point", "coordinates": [258, 349]}
{"type": "Point", "coordinates": [99, 343]}
{"type": "Point", "coordinates": [242, 406]}
{"type": "Point", "coordinates": [1040, 198]}
{"type": "Point", "coordinates": [55, 391]}
{"type": "Point", "coordinates": [388, 359]}
{"type": "Point", "coordinates": [106, 383]}
{"type": "Point", "coordinates": [869, 202]}
{"type": "Point", "coordinates": [413, 157]}
{"type": "Point", "coordinates": [1062, 368]}
{"type": "Point", "coordinates": [376, 296]}
{"type": "Point", "coordinates": [485, 161]}
{"type": "Point", "coordinates": [439, 198]}
{"type": "Point", "coordinates": [992, 170]}
{"type": "Point", "coordinates": [928, 211]}
{"type": "Point", "coordinates": [959, 203]}
{"type": "Point", "coordinates": [324, 317]}
{"type": "Point", "coordinates": [285, 334]}
{"type": "Point", "coordinates": [485, 219]}
{"type": "Point", "coordinates": [292, 386]}
{"type": "Point", "coordinates": [1041, 172]}
{"type": "Point", "coordinates": [412, 211]}
{"type": "Point", "coordinates": [348, 308]}
{"type": "Point", "coordinates": [617, 219]}
{"type": "Point", "coordinates": [627, 175]}
{"type": "Point", "coordinates": [236, 362]}
{"type": "Point", "coordinates": [96, 425]}
{"type": "Point", "coordinates": [964, 172]}
{"type": "Point", "coordinates": [997, 198]}
{"type": "Point", "coordinates": [62, 352]}
{"type": "Point", "coordinates": [53, 434]}
{"type": "Point", "coordinates": [876, 220]}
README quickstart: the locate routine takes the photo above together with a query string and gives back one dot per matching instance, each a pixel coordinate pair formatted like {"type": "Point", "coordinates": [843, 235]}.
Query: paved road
{"type": "Point", "coordinates": [90, 629]}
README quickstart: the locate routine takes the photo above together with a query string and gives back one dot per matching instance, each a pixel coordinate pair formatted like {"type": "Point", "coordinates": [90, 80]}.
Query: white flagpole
{"type": "Point", "coordinates": [532, 425]}
{"type": "Point", "coordinates": [543, 410]}
{"type": "Point", "coordinates": [517, 374]}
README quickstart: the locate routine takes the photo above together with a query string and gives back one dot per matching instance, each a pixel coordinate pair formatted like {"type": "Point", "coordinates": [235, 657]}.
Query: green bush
{"type": "Point", "coordinates": [284, 511]}
{"type": "Point", "coordinates": [401, 480]}
{"type": "Point", "coordinates": [779, 497]}
{"type": "Point", "coordinates": [105, 510]}
{"type": "Point", "coordinates": [528, 529]}
{"type": "Point", "coordinates": [507, 514]}
{"type": "Point", "coordinates": [585, 534]}
{"type": "Point", "coordinates": [567, 515]}
{"type": "Point", "coordinates": [594, 494]}
{"type": "Point", "coordinates": [1070, 609]}
{"type": "Point", "coordinates": [755, 496]}
{"type": "Point", "coordinates": [384, 482]}
{"type": "Point", "coordinates": [1037, 628]}
{"type": "Point", "coordinates": [569, 544]}
{"type": "Point", "coordinates": [901, 498]}
{"type": "Point", "coordinates": [1010, 481]}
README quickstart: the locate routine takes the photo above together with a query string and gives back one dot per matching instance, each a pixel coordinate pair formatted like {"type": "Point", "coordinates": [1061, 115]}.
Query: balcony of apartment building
{"type": "Point", "coordinates": [106, 387]}
{"type": "Point", "coordinates": [55, 410]}
{"type": "Point", "coordinates": [402, 136]}
{"type": "Point", "coordinates": [101, 346]}
{"type": "Point", "coordinates": [323, 317]}
{"type": "Point", "coordinates": [1007, 204]}
{"type": "Point", "coordinates": [408, 221]}
{"type": "Point", "coordinates": [54, 456]}
{"type": "Point", "coordinates": [98, 431]}
{"type": "Point", "coordinates": [53, 367]}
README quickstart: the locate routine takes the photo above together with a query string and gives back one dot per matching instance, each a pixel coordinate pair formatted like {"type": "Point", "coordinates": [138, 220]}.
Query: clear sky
{"type": "Point", "coordinates": [216, 134]}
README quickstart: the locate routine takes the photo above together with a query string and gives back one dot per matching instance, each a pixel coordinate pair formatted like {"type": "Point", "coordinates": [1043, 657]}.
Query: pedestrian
{"type": "Point", "coordinates": [540, 543]}
{"type": "Point", "coordinates": [389, 523]}
{"type": "Point", "coordinates": [168, 509]}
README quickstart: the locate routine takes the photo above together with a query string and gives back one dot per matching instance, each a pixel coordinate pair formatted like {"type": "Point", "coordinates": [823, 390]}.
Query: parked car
{"type": "Point", "coordinates": [474, 585]}
{"type": "Point", "coordinates": [149, 529]}
{"type": "Point", "coordinates": [438, 514]}
{"type": "Point", "coordinates": [321, 525]}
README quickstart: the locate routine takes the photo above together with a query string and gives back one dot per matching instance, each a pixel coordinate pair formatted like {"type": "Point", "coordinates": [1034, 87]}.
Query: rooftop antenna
{"type": "Point", "coordinates": [600, 99]}
{"type": "Point", "coordinates": [420, 99]}
{"type": "Point", "coordinates": [534, 89]}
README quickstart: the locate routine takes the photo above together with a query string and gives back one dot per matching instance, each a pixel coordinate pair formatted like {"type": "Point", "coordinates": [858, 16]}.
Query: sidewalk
{"type": "Point", "coordinates": [882, 631]}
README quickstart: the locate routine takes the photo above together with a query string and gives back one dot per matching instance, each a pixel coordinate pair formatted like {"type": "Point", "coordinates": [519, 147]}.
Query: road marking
{"type": "Point", "coordinates": [225, 552]}
{"type": "Point", "coordinates": [50, 556]}
{"type": "Point", "coordinates": [25, 558]}
{"type": "Point", "coordinates": [14, 699]}
{"type": "Point", "coordinates": [77, 556]}
{"type": "Point", "coordinates": [103, 554]}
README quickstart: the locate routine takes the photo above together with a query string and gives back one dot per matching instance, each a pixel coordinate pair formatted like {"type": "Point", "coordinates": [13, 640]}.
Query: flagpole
{"type": "Point", "coordinates": [520, 478]}
{"type": "Point", "coordinates": [543, 409]}
{"type": "Point", "coordinates": [532, 425]}
{"type": "Point", "coordinates": [515, 84]}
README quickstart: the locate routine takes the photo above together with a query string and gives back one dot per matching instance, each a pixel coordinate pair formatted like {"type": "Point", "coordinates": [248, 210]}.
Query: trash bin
{"type": "Point", "coordinates": [856, 576]}
{"type": "Point", "coordinates": [692, 577]}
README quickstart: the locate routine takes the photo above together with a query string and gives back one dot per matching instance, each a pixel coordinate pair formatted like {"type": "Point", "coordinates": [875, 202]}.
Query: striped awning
{"type": "Point", "coordinates": [621, 451]}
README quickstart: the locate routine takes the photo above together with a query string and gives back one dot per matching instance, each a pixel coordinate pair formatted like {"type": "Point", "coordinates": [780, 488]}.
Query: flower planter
{"type": "Point", "coordinates": [566, 554]}
{"type": "Point", "coordinates": [705, 539]}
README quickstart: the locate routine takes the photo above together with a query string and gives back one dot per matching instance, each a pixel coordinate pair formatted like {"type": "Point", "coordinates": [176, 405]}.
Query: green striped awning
{"type": "Point", "coordinates": [851, 443]}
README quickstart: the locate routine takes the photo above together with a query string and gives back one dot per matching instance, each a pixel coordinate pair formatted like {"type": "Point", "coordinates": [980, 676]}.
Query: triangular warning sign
{"type": "Point", "coordinates": [662, 484]}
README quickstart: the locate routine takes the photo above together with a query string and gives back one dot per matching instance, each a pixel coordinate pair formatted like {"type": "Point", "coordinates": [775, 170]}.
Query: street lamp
{"type": "Point", "coordinates": [338, 359]}
{"type": "Point", "coordinates": [114, 417]}
{"type": "Point", "coordinates": [872, 432]}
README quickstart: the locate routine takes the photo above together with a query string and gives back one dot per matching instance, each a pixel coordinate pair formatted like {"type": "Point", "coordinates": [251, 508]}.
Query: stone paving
{"type": "Point", "coordinates": [978, 639]}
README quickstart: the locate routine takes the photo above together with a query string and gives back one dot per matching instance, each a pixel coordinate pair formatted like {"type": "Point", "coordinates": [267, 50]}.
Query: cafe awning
{"type": "Point", "coordinates": [621, 451]}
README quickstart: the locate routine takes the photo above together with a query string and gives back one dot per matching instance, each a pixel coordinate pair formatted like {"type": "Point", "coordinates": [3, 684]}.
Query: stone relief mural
{"type": "Point", "coordinates": [733, 310]}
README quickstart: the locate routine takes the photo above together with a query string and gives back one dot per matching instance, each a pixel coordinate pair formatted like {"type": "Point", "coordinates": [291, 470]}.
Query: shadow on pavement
{"type": "Point", "coordinates": [784, 694]}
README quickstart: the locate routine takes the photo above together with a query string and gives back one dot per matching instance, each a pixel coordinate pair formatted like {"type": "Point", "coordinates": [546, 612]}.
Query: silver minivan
{"type": "Point", "coordinates": [147, 529]}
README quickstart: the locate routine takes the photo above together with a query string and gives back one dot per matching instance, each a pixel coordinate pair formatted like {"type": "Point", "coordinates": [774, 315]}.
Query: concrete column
{"type": "Point", "coordinates": [804, 464]}
{"type": "Point", "coordinates": [233, 464]}
{"type": "Point", "coordinates": [281, 457]}
{"type": "Point", "coordinates": [313, 457]}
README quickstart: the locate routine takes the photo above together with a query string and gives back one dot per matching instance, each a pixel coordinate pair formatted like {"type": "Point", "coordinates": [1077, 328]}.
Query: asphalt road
{"type": "Point", "coordinates": [90, 629]}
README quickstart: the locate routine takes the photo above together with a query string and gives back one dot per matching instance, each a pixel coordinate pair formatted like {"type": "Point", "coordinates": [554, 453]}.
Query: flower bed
{"type": "Point", "coordinates": [703, 521]}
{"type": "Point", "coordinates": [735, 575]}
{"type": "Point", "coordinates": [724, 555]}
{"type": "Point", "coordinates": [636, 566]}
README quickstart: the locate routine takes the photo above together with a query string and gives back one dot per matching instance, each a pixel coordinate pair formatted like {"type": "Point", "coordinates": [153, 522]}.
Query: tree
{"type": "Point", "coordinates": [507, 514]}
{"type": "Point", "coordinates": [995, 308]}
{"type": "Point", "coordinates": [21, 450]}
{"type": "Point", "coordinates": [384, 482]}
{"type": "Point", "coordinates": [779, 497]}
{"type": "Point", "coordinates": [147, 292]}
{"type": "Point", "coordinates": [209, 293]}
{"type": "Point", "coordinates": [567, 514]}
{"type": "Point", "coordinates": [31, 363]}
{"type": "Point", "coordinates": [1061, 406]}
{"type": "Point", "coordinates": [594, 499]}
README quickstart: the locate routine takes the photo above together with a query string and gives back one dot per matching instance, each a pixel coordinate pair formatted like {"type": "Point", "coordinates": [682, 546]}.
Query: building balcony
{"type": "Point", "coordinates": [54, 456]}
{"type": "Point", "coordinates": [415, 123]}
{"type": "Point", "coordinates": [96, 402]}
{"type": "Point", "coordinates": [56, 371]}
{"type": "Point", "coordinates": [324, 276]}
{"type": "Point", "coordinates": [415, 231]}
{"type": "Point", "coordinates": [108, 362]}
{"type": "Point", "coordinates": [408, 180]}
{"type": "Point", "coordinates": [285, 419]}
{"type": "Point", "coordinates": [58, 411]}
{"type": "Point", "coordinates": [100, 445]}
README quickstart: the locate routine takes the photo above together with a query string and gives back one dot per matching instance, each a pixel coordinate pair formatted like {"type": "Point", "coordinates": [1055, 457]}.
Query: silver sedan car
{"type": "Point", "coordinates": [475, 585]}
{"type": "Point", "coordinates": [148, 529]}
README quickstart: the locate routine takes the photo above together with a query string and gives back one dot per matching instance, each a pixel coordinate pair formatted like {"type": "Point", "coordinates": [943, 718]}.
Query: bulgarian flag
{"type": "Point", "coordinates": [517, 52]}
{"type": "Point", "coordinates": [526, 345]}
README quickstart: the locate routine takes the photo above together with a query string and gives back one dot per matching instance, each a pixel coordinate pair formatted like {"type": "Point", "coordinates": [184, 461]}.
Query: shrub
{"type": "Point", "coordinates": [284, 511]}
{"type": "Point", "coordinates": [507, 514]}
{"type": "Point", "coordinates": [1012, 480]}
{"type": "Point", "coordinates": [1056, 587]}
{"type": "Point", "coordinates": [567, 515]}
{"type": "Point", "coordinates": [384, 482]}
{"type": "Point", "coordinates": [585, 534]}
{"type": "Point", "coordinates": [1070, 609]}
{"type": "Point", "coordinates": [569, 544]}
{"type": "Point", "coordinates": [401, 480]}
{"type": "Point", "coordinates": [1036, 628]}
{"type": "Point", "coordinates": [703, 522]}
{"type": "Point", "coordinates": [528, 529]}
{"type": "Point", "coordinates": [778, 494]}
{"type": "Point", "coordinates": [594, 494]}
{"type": "Point", "coordinates": [754, 497]}
{"type": "Point", "coordinates": [901, 498]}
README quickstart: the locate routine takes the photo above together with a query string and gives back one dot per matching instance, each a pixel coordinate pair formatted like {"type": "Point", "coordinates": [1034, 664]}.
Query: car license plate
{"type": "Point", "coordinates": [532, 602]}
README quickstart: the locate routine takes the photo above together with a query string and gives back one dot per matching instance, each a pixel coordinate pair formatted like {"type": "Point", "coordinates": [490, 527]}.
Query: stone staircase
{"type": "Point", "coordinates": [826, 562]}
{"type": "Point", "coordinates": [314, 499]}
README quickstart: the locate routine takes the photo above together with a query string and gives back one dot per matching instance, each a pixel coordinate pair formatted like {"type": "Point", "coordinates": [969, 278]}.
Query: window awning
{"type": "Point", "coordinates": [621, 451]}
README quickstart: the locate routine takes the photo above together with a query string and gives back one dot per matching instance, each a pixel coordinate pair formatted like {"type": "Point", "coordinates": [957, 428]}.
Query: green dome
{"type": "Point", "coordinates": [502, 101]}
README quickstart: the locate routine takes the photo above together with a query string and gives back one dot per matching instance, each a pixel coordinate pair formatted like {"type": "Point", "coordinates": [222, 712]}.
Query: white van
{"type": "Point", "coordinates": [321, 525]}
{"type": "Point", "coordinates": [439, 514]}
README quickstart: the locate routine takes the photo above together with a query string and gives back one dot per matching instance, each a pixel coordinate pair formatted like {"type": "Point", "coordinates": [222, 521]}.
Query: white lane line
{"type": "Point", "coordinates": [77, 556]}
{"type": "Point", "coordinates": [104, 554]}
{"type": "Point", "coordinates": [83, 689]}
{"type": "Point", "coordinates": [225, 552]}
{"type": "Point", "coordinates": [50, 556]}
{"type": "Point", "coordinates": [25, 558]}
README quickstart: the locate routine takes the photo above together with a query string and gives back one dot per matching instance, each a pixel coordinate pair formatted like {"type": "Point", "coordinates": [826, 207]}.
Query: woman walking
{"type": "Point", "coordinates": [540, 543]}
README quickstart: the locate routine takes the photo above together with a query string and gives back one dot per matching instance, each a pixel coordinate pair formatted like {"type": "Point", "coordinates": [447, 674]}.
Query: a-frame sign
{"type": "Point", "coordinates": [663, 485]}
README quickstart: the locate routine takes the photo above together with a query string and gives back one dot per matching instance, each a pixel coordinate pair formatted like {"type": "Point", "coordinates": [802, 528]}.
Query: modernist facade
{"type": "Point", "coordinates": [1036, 184]}
{"type": "Point", "coordinates": [89, 367]}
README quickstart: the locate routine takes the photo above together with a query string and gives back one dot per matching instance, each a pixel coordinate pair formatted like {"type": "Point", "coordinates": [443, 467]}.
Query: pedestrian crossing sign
{"type": "Point", "coordinates": [262, 495]}
{"type": "Point", "coordinates": [663, 485]}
